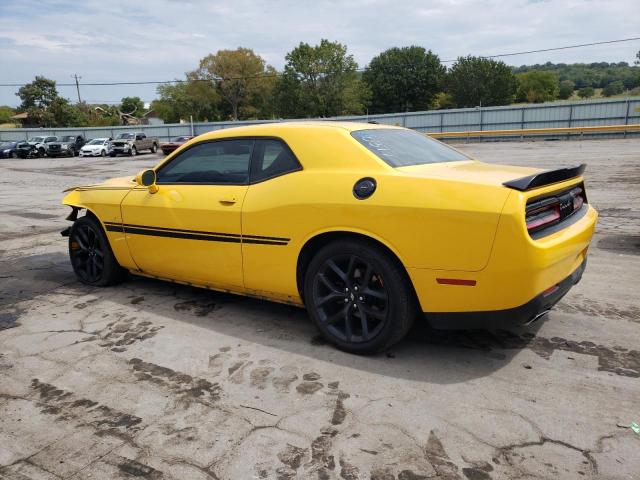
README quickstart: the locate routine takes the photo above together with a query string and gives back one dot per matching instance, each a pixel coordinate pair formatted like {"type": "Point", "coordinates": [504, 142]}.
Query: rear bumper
{"type": "Point", "coordinates": [524, 314]}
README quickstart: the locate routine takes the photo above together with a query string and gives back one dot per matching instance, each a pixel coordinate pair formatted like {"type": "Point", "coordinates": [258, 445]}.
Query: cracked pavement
{"type": "Point", "coordinates": [161, 381]}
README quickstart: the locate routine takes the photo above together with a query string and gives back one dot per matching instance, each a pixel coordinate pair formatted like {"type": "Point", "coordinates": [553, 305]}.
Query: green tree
{"type": "Point", "coordinates": [586, 92]}
{"type": "Point", "coordinates": [242, 78]}
{"type": "Point", "coordinates": [38, 94]}
{"type": "Point", "coordinates": [63, 114]}
{"type": "Point", "coordinates": [404, 79]}
{"type": "Point", "coordinates": [182, 100]}
{"type": "Point", "coordinates": [6, 113]}
{"type": "Point", "coordinates": [320, 81]}
{"type": "Point", "coordinates": [566, 89]}
{"type": "Point", "coordinates": [537, 87]}
{"type": "Point", "coordinates": [474, 81]}
{"type": "Point", "coordinates": [614, 88]}
{"type": "Point", "coordinates": [132, 105]}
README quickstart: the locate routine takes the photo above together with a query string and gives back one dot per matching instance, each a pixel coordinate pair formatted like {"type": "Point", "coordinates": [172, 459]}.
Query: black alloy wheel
{"type": "Point", "coordinates": [351, 298]}
{"type": "Point", "coordinates": [91, 257]}
{"type": "Point", "coordinates": [359, 297]}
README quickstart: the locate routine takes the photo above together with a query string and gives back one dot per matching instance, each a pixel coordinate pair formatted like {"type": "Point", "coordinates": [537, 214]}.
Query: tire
{"type": "Point", "coordinates": [41, 152]}
{"type": "Point", "coordinates": [154, 148]}
{"type": "Point", "coordinates": [13, 155]}
{"type": "Point", "coordinates": [103, 153]}
{"type": "Point", "coordinates": [90, 253]}
{"type": "Point", "coordinates": [133, 152]}
{"type": "Point", "coordinates": [359, 296]}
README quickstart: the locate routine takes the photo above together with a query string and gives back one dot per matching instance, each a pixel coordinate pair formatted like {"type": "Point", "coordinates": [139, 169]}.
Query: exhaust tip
{"type": "Point", "coordinates": [538, 317]}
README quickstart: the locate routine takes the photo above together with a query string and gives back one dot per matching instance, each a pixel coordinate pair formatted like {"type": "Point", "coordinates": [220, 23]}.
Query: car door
{"type": "Point", "coordinates": [190, 229]}
{"type": "Point", "coordinates": [269, 226]}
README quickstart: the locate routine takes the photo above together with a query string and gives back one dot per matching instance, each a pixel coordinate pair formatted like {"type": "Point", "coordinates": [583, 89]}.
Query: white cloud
{"type": "Point", "coordinates": [122, 40]}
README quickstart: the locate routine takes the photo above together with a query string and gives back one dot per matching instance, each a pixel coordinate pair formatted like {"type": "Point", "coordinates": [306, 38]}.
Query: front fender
{"type": "Point", "coordinates": [104, 204]}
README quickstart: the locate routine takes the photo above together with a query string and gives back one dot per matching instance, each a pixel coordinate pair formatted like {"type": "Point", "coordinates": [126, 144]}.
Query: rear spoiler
{"type": "Point", "coordinates": [545, 178]}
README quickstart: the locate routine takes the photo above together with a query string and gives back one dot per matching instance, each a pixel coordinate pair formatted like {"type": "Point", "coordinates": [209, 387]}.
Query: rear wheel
{"type": "Point", "coordinates": [41, 152]}
{"type": "Point", "coordinates": [103, 153]}
{"type": "Point", "coordinates": [359, 297]}
{"type": "Point", "coordinates": [91, 257]}
{"type": "Point", "coordinates": [154, 148]}
{"type": "Point", "coordinates": [133, 151]}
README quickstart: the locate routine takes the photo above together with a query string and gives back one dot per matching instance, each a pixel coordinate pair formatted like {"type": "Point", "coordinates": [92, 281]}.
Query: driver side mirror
{"type": "Point", "coordinates": [147, 178]}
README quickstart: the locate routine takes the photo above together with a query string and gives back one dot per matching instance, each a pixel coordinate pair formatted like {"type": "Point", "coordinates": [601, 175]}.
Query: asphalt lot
{"type": "Point", "coordinates": [154, 380]}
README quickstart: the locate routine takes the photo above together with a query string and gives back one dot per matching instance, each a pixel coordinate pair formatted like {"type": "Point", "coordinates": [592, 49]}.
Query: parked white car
{"type": "Point", "coordinates": [98, 147]}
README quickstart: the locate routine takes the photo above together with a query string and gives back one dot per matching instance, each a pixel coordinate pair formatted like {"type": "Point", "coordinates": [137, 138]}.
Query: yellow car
{"type": "Point", "coordinates": [366, 225]}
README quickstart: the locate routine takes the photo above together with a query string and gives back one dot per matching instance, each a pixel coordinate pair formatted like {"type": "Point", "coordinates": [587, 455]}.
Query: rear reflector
{"type": "Point", "coordinates": [456, 281]}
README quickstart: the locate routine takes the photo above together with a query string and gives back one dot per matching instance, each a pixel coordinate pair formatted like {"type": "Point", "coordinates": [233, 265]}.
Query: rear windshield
{"type": "Point", "coordinates": [400, 148]}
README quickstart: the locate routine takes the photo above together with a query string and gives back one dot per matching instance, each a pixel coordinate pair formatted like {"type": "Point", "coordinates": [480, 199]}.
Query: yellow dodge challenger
{"type": "Point", "coordinates": [367, 226]}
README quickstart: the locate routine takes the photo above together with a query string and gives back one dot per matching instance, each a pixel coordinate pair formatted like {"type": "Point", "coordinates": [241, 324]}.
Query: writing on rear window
{"type": "Point", "coordinates": [400, 148]}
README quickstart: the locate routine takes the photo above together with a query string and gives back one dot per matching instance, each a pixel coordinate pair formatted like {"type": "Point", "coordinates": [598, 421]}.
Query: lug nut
{"type": "Point", "coordinates": [360, 298]}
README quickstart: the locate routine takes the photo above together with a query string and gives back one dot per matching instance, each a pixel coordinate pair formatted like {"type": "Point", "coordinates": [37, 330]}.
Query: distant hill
{"type": "Point", "coordinates": [596, 75]}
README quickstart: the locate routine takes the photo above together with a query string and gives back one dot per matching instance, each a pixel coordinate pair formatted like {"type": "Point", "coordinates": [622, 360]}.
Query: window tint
{"type": "Point", "coordinates": [225, 161]}
{"type": "Point", "coordinates": [51, 139]}
{"type": "Point", "coordinates": [400, 148]}
{"type": "Point", "coordinates": [272, 158]}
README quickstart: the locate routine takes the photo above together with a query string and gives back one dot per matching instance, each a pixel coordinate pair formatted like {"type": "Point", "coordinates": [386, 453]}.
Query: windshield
{"type": "Point", "coordinates": [37, 139]}
{"type": "Point", "coordinates": [126, 136]}
{"type": "Point", "coordinates": [400, 148]}
{"type": "Point", "coordinates": [7, 144]}
{"type": "Point", "coordinates": [96, 141]}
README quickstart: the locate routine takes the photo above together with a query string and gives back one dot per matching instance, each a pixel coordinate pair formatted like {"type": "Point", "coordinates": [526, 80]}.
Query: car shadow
{"type": "Point", "coordinates": [425, 355]}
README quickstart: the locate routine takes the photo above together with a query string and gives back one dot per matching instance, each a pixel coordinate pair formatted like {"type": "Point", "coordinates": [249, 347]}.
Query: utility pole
{"type": "Point", "coordinates": [76, 77]}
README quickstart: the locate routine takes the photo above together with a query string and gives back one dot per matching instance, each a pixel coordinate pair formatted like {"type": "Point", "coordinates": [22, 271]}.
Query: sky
{"type": "Point", "coordinates": [150, 40]}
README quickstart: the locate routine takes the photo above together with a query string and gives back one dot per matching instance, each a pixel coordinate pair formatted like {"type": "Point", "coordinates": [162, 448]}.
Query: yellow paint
{"type": "Point", "coordinates": [454, 218]}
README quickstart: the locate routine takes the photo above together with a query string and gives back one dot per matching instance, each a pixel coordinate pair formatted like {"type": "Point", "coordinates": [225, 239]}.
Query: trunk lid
{"type": "Point", "coordinates": [470, 171]}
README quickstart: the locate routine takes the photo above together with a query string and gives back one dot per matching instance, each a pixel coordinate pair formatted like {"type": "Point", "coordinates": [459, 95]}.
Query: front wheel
{"type": "Point", "coordinates": [103, 154]}
{"type": "Point", "coordinates": [134, 151]}
{"type": "Point", "coordinates": [154, 148]}
{"type": "Point", "coordinates": [41, 152]}
{"type": "Point", "coordinates": [91, 257]}
{"type": "Point", "coordinates": [359, 296]}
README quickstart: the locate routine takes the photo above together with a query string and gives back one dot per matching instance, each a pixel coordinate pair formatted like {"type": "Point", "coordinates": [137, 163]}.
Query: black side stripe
{"type": "Point", "coordinates": [194, 234]}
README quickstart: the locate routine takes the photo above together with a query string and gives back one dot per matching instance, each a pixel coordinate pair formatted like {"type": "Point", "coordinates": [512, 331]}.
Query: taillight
{"type": "Point", "coordinates": [543, 216]}
{"type": "Point", "coordinates": [548, 211]}
{"type": "Point", "coordinates": [578, 199]}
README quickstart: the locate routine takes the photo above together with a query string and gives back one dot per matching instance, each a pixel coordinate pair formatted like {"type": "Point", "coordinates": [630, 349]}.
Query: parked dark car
{"type": "Point", "coordinates": [67, 146]}
{"type": "Point", "coordinates": [9, 150]}
{"type": "Point", "coordinates": [29, 150]}
{"type": "Point", "coordinates": [168, 147]}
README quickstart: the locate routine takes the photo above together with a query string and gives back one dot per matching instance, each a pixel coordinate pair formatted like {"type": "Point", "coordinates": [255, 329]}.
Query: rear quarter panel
{"type": "Point", "coordinates": [427, 223]}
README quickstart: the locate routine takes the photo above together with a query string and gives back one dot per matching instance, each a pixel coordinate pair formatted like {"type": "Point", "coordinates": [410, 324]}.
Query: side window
{"type": "Point", "coordinates": [272, 158]}
{"type": "Point", "coordinates": [218, 162]}
{"type": "Point", "coordinates": [141, 136]}
{"type": "Point", "coordinates": [50, 139]}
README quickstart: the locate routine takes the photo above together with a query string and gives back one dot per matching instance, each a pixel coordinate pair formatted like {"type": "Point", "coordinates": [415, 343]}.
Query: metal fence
{"type": "Point", "coordinates": [549, 115]}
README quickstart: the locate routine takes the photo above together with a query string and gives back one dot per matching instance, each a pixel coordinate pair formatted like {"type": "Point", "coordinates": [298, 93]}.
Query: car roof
{"type": "Point", "coordinates": [270, 127]}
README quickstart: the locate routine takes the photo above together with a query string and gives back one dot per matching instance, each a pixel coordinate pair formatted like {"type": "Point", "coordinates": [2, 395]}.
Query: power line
{"type": "Point", "coordinates": [277, 74]}
{"type": "Point", "coordinates": [554, 49]}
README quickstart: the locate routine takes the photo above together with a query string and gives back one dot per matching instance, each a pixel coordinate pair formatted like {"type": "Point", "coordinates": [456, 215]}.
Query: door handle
{"type": "Point", "coordinates": [228, 200]}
